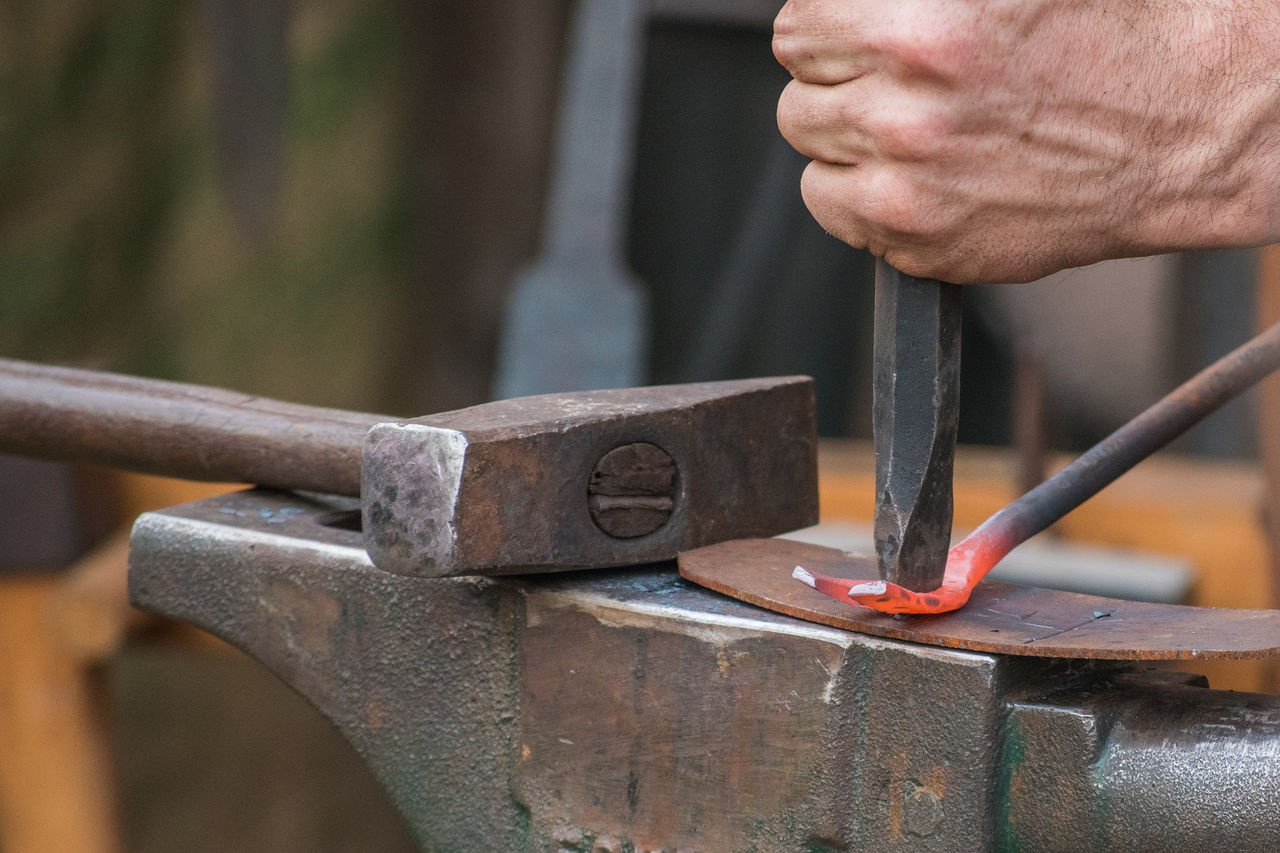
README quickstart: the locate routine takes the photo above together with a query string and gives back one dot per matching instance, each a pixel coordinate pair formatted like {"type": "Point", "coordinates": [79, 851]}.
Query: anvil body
{"type": "Point", "coordinates": [628, 710]}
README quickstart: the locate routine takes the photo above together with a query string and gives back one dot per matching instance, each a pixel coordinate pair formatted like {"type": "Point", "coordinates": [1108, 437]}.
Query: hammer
{"type": "Point", "coordinates": [533, 484]}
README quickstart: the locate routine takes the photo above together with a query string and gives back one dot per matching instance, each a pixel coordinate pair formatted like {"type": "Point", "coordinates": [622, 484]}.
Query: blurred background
{"type": "Point", "coordinates": [328, 202]}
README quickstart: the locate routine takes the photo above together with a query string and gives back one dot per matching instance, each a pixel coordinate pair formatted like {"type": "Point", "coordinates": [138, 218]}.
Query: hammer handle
{"type": "Point", "coordinates": [178, 430]}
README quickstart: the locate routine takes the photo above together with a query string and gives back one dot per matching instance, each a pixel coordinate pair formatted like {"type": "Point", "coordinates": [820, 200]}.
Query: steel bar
{"type": "Point", "coordinates": [1030, 417]}
{"type": "Point", "coordinates": [915, 413]}
{"type": "Point", "coordinates": [1160, 424]}
{"type": "Point", "coordinates": [178, 430]}
{"type": "Point", "coordinates": [578, 318]}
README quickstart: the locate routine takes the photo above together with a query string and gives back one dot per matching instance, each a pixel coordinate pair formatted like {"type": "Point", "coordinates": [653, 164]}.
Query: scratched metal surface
{"type": "Point", "coordinates": [1002, 618]}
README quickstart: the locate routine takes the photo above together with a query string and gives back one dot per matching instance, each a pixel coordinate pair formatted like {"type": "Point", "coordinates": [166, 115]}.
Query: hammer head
{"type": "Point", "coordinates": [591, 479]}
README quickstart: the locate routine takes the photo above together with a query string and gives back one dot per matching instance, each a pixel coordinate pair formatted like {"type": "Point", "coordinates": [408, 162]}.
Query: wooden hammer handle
{"type": "Point", "coordinates": [178, 430]}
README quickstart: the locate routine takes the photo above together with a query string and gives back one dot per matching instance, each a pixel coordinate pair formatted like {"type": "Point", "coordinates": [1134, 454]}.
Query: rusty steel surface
{"type": "Point", "coordinates": [1001, 618]}
{"type": "Point", "coordinates": [510, 485]}
{"type": "Point", "coordinates": [178, 430]}
{"type": "Point", "coordinates": [633, 490]}
{"type": "Point", "coordinates": [633, 711]}
{"type": "Point", "coordinates": [915, 416]}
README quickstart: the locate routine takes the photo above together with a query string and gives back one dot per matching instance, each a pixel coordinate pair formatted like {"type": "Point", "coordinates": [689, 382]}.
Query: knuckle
{"type": "Point", "coordinates": [848, 114]}
{"type": "Point", "coordinates": [789, 44]}
{"type": "Point", "coordinates": [787, 51]}
{"type": "Point", "coordinates": [906, 134]}
{"type": "Point", "coordinates": [829, 203]}
{"type": "Point", "coordinates": [812, 43]}
{"type": "Point", "coordinates": [818, 125]}
{"type": "Point", "coordinates": [789, 112]}
{"type": "Point", "coordinates": [784, 24]}
{"type": "Point", "coordinates": [895, 206]}
{"type": "Point", "coordinates": [925, 45]}
{"type": "Point", "coordinates": [803, 63]}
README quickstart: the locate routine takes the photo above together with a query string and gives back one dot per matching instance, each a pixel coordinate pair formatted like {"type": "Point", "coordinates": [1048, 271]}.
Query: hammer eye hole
{"type": "Point", "coordinates": [343, 520]}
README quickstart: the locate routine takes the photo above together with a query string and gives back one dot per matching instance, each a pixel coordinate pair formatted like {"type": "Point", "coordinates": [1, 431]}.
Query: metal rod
{"type": "Point", "coordinates": [751, 272]}
{"type": "Point", "coordinates": [178, 430]}
{"type": "Point", "coordinates": [970, 559]}
{"type": "Point", "coordinates": [1030, 422]}
{"type": "Point", "coordinates": [1173, 415]}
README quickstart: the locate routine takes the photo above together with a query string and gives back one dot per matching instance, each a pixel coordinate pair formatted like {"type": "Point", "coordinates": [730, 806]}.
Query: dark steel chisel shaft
{"type": "Point", "coordinates": [915, 410]}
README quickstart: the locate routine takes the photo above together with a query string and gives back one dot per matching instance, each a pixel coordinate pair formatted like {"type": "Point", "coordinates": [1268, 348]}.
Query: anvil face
{"type": "Point", "coordinates": [630, 710]}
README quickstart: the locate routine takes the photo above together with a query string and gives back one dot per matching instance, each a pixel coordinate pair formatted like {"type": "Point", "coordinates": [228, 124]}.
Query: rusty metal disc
{"type": "Point", "coordinates": [1002, 618]}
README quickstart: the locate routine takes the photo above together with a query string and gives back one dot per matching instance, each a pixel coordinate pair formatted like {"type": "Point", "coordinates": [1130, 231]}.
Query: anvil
{"type": "Point", "coordinates": [628, 710]}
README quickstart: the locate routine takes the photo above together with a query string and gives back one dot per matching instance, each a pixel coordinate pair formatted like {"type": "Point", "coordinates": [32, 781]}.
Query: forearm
{"type": "Point", "coordinates": [1222, 176]}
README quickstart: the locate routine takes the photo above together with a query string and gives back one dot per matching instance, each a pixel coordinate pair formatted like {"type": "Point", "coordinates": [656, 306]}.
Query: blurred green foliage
{"type": "Point", "coordinates": [118, 247]}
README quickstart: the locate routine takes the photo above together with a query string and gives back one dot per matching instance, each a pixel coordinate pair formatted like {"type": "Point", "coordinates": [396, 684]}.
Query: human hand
{"type": "Point", "coordinates": [1002, 140]}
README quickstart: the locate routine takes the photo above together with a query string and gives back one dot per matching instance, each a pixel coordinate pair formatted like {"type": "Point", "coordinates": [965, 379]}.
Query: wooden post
{"type": "Point", "coordinates": [57, 785]}
{"type": "Point", "coordinates": [1268, 301]}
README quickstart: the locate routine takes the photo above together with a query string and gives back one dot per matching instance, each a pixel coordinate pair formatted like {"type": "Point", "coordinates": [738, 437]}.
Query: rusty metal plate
{"type": "Point", "coordinates": [1002, 618]}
